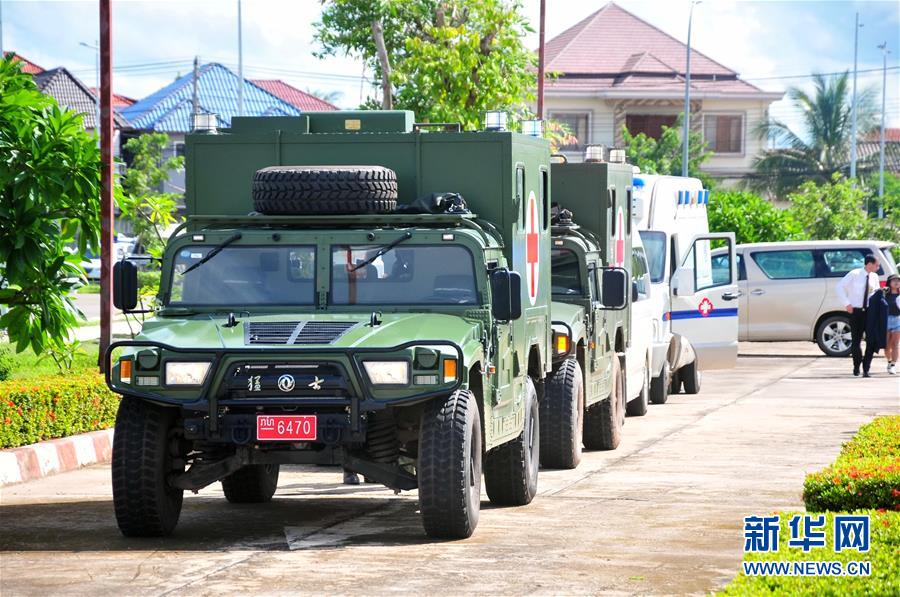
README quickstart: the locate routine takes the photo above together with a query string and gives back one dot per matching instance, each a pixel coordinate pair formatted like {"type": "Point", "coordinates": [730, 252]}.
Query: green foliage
{"type": "Point", "coordinates": [149, 210]}
{"type": "Point", "coordinates": [664, 155]}
{"type": "Point", "coordinates": [28, 365]}
{"type": "Point", "coordinates": [751, 218]}
{"type": "Point", "coordinates": [866, 474]}
{"type": "Point", "coordinates": [831, 210]}
{"type": "Point", "coordinates": [49, 199]}
{"type": "Point", "coordinates": [451, 60]}
{"type": "Point", "coordinates": [7, 363]}
{"type": "Point", "coordinates": [54, 406]}
{"type": "Point", "coordinates": [884, 580]}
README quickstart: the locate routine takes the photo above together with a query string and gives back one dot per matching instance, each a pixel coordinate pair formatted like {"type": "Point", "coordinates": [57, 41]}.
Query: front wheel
{"type": "Point", "coordinates": [690, 378]}
{"type": "Point", "coordinates": [659, 386]}
{"type": "Point", "coordinates": [603, 421]}
{"type": "Point", "coordinates": [562, 411]}
{"type": "Point", "coordinates": [449, 466]}
{"type": "Point", "coordinates": [833, 336]}
{"type": "Point", "coordinates": [638, 406]}
{"type": "Point", "coordinates": [511, 470]}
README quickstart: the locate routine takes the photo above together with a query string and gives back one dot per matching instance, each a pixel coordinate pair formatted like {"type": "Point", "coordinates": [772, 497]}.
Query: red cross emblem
{"type": "Point", "coordinates": [705, 307]}
{"type": "Point", "coordinates": [532, 247]}
{"type": "Point", "coordinates": [620, 239]}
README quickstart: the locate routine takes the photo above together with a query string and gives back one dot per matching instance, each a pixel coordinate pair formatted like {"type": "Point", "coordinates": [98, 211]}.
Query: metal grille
{"type": "Point", "coordinates": [296, 332]}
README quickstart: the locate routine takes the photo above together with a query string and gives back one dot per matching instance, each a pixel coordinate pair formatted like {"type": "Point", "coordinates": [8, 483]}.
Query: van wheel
{"type": "Point", "coordinates": [449, 466]}
{"type": "Point", "coordinates": [511, 470]}
{"type": "Point", "coordinates": [603, 421]}
{"type": "Point", "coordinates": [252, 484]}
{"type": "Point", "coordinates": [638, 406]}
{"type": "Point", "coordinates": [659, 386]}
{"type": "Point", "coordinates": [562, 416]}
{"type": "Point", "coordinates": [675, 382]}
{"type": "Point", "coordinates": [833, 336]}
{"type": "Point", "coordinates": [690, 378]}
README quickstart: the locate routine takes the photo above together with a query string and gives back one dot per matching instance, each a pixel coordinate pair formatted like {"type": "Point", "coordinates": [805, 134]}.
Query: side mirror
{"type": "Point", "coordinates": [506, 295]}
{"type": "Point", "coordinates": [125, 285]}
{"type": "Point", "coordinates": [614, 288]}
{"type": "Point", "coordinates": [683, 282]}
{"type": "Point", "coordinates": [635, 295]}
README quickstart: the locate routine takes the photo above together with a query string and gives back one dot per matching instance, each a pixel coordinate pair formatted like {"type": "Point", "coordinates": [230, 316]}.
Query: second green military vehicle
{"type": "Point", "coordinates": [382, 302]}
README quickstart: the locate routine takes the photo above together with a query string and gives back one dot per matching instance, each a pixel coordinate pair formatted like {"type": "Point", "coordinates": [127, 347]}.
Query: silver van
{"type": "Point", "coordinates": [788, 289]}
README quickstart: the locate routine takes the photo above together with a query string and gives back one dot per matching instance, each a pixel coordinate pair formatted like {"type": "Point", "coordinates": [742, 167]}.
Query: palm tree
{"type": "Point", "coordinates": [823, 147]}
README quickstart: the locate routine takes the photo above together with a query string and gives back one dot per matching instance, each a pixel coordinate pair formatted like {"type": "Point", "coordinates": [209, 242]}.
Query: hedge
{"type": "Point", "coordinates": [54, 406]}
{"type": "Point", "coordinates": [866, 474]}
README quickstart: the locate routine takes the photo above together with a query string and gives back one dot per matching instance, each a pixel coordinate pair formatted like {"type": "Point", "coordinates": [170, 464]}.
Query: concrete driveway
{"type": "Point", "coordinates": [660, 515]}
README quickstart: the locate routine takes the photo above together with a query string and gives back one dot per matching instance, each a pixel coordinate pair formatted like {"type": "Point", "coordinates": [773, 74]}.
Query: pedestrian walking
{"type": "Point", "coordinates": [892, 350]}
{"type": "Point", "coordinates": [854, 290]}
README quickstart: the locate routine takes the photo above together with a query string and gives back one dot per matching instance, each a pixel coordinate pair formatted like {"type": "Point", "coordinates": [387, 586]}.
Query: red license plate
{"type": "Point", "coordinates": [286, 427]}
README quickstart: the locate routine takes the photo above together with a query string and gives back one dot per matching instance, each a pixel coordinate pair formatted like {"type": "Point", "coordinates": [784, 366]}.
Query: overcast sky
{"type": "Point", "coordinates": [155, 41]}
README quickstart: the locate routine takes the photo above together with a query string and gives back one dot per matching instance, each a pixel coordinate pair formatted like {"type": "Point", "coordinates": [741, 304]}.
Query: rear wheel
{"type": "Point", "coordinates": [690, 378]}
{"type": "Point", "coordinates": [449, 466]}
{"type": "Point", "coordinates": [833, 336]}
{"type": "Point", "coordinates": [659, 386]}
{"type": "Point", "coordinates": [603, 421]}
{"type": "Point", "coordinates": [511, 470]}
{"type": "Point", "coordinates": [638, 406]}
{"type": "Point", "coordinates": [252, 484]}
{"type": "Point", "coordinates": [562, 418]}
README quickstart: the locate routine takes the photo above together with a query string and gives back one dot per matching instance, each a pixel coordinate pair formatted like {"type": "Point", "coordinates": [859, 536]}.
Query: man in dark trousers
{"type": "Point", "coordinates": [854, 289]}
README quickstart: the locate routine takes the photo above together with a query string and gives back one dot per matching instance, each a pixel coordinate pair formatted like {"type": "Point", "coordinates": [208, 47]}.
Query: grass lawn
{"type": "Point", "coordinates": [27, 365]}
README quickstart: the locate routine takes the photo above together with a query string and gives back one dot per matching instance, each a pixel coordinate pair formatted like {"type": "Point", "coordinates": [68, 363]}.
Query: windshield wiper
{"type": "Point", "coordinates": [380, 252]}
{"type": "Point", "coordinates": [215, 251]}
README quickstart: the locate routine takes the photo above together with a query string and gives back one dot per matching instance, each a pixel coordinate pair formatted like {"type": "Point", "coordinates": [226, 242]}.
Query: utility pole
{"type": "Point", "coordinates": [195, 97]}
{"type": "Point", "coordinates": [685, 139]}
{"type": "Point", "coordinates": [240, 93]}
{"type": "Point", "coordinates": [853, 101]}
{"type": "Point", "coordinates": [884, 54]}
{"type": "Point", "coordinates": [96, 48]}
{"type": "Point", "coordinates": [106, 179]}
{"type": "Point", "coordinates": [540, 89]}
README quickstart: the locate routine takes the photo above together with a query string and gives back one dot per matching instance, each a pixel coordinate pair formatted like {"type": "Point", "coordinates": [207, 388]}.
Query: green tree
{"type": "Point", "coordinates": [447, 60]}
{"type": "Point", "coordinates": [49, 200]}
{"type": "Point", "coordinates": [664, 155]}
{"type": "Point", "coordinates": [751, 218]}
{"type": "Point", "coordinates": [832, 210]}
{"type": "Point", "coordinates": [821, 148]}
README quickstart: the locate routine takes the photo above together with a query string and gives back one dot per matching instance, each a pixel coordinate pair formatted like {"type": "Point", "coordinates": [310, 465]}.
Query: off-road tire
{"type": "Point", "coordinates": [562, 416]}
{"type": "Point", "coordinates": [292, 190]}
{"type": "Point", "coordinates": [511, 469]}
{"type": "Point", "coordinates": [826, 332]}
{"type": "Point", "coordinates": [659, 385]}
{"type": "Point", "coordinates": [449, 466]}
{"type": "Point", "coordinates": [690, 378]}
{"type": "Point", "coordinates": [637, 407]}
{"type": "Point", "coordinates": [252, 484]}
{"type": "Point", "coordinates": [603, 421]}
{"type": "Point", "coordinates": [145, 504]}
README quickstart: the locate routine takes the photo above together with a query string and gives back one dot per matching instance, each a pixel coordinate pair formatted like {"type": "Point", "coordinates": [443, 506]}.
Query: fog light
{"type": "Point", "coordinates": [147, 380]}
{"type": "Point", "coordinates": [425, 380]}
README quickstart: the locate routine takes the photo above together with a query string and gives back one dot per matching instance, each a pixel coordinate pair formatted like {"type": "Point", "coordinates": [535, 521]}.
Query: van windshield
{"type": "Point", "coordinates": [655, 246]}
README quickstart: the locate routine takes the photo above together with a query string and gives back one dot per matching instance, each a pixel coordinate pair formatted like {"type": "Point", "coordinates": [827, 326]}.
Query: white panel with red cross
{"type": "Point", "coordinates": [532, 248]}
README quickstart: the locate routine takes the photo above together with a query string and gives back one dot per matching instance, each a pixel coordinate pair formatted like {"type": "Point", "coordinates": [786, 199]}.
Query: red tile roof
{"type": "Point", "coordinates": [27, 66]}
{"type": "Point", "coordinates": [306, 102]}
{"type": "Point", "coordinates": [890, 135]}
{"type": "Point", "coordinates": [118, 101]}
{"type": "Point", "coordinates": [613, 49]}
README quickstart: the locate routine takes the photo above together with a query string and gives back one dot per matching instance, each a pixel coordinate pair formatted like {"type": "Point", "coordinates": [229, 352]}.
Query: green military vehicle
{"type": "Point", "coordinates": [585, 394]}
{"type": "Point", "coordinates": [305, 316]}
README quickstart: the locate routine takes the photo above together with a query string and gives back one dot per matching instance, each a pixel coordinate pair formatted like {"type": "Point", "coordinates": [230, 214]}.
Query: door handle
{"type": "Point", "coordinates": [730, 296]}
{"type": "Point", "coordinates": [757, 291]}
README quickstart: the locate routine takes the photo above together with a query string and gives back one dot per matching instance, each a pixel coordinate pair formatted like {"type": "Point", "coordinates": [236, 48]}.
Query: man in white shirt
{"type": "Point", "coordinates": [854, 290]}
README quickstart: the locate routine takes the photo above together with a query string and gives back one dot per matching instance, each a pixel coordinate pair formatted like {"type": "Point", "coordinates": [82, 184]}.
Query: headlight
{"type": "Point", "coordinates": [383, 373]}
{"type": "Point", "coordinates": [186, 374]}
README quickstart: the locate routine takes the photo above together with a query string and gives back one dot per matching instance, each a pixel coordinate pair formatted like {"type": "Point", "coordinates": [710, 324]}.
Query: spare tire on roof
{"type": "Point", "coordinates": [289, 190]}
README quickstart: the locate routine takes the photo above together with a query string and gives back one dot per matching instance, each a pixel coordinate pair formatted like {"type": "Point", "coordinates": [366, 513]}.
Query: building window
{"type": "Point", "coordinates": [179, 150]}
{"type": "Point", "coordinates": [579, 124]}
{"type": "Point", "coordinates": [724, 133]}
{"type": "Point", "coordinates": [649, 124]}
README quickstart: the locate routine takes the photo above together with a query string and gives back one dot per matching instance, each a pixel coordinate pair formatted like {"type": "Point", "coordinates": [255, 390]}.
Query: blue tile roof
{"type": "Point", "coordinates": [169, 109]}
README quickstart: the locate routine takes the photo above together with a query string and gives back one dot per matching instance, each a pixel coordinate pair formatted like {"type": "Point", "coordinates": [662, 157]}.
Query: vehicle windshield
{"type": "Point", "coordinates": [405, 275]}
{"type": "Point", "coordinates": [655, 246]}
{"type": "Point", "coordinates": [566, 276]}
{"type": "Point", "coordinates": [245, 276]}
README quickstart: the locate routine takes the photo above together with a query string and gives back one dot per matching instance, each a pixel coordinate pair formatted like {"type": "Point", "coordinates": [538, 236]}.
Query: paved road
{"type": "Point", "coordinates": [660, 515]}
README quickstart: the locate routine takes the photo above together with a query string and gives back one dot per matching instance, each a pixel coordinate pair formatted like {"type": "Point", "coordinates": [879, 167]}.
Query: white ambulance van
{"type": "Point", "coordinates": [695, 314]}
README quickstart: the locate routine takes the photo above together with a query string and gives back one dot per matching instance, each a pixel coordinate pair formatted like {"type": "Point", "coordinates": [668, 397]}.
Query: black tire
{"type": "Point", "coordinates": [690, 378]}
{"type": "Point", "coordinates": [659, 385]}
{"type": "Point", "coordinates": [562, 416]}
{"type": "Point", "coordinates": [833, 336]}
{"type": "Point", "coordinates": [603, 421]}
{"type": "Point", "coordinates": [637, 407]}
{"type": "Point", "coordinates": [145, 504]}
{"type": "Point", "coordinates": [675, 382]}
{"type": "Point", "coordinates": [511, 470]}
{"type": "Point", "coordinates": [252, 484]}
{"type": "Point", "coordinates": [449, 466]}
{"type": "Point", "coordinates": [290, 190]}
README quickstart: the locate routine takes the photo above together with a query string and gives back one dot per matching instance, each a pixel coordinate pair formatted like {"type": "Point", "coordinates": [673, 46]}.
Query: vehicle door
{"type": "Point", "coordinates": [641, 323]}
{"type": "Point", "coordinates": [785, 294]}
{"type": "Point", "coordinates": [836, 262]}
{"type": "Point", "coordinates": [704, 301]}
{"type": "Point", "coordinates": [720, 263]}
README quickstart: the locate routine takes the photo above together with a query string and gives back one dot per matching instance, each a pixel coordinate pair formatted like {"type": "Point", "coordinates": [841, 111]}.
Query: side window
{"type": "Point", "coordinates": [612, 202]}
{"type": "Point", "coordinates": [629, 208]}
{"type": "Point", "coordinates": [709, 271]}
{"type": "Point", "coordinates": [721, 269]}
{"type": "Point", "coordinates": [786, 265]}
{"type": "Point", "coordinates": [742, 269]}
{"type": "Point", "coordinates": [639, 272]}
{"type": "Point", "coordinates": [595, 284]}
{"type": "Point", "coordinates": [545, 196]}
{"type": "Point", "coordinates": [837, 262]}
{"type": "Point", "coordinates": [520, 190]}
